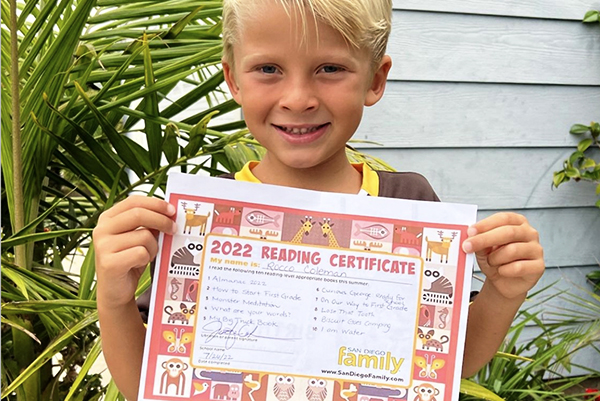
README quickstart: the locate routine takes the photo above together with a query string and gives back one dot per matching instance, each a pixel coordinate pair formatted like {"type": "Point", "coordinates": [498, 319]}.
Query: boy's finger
{"type": "Point", "coordinates": [522, 269]}
{"type": "Point", "coordinates": [496, 220]}
{"type": "Point", "coordinates": [514, 252]}
{"type": "Point", "coordinates": [140, 217]}
{"type": "Point", "coordinates": [121, 242]}
{"type": "Point", "coordinates": [500, 236]}
{"type": "Point", "coordinates": [137, 201]}
{"type": "Point", "coordinates": [128, 259]}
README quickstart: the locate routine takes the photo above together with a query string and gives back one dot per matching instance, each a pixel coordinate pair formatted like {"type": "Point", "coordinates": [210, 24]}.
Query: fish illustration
{"type": "Point", "coordinates": [375, 231]}
{"type": "Point", "coordinates": [258, 218]}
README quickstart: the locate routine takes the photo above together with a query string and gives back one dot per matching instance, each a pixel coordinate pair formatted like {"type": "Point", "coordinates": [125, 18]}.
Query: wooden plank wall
{"type": "Point", "coordinates": [480, 100]}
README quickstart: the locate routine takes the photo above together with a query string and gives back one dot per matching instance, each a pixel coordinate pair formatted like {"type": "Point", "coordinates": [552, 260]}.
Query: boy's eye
{"type": "Point", "coordinates": [268, 69]}
{"type": "Point", "coordinates": [330, 69]}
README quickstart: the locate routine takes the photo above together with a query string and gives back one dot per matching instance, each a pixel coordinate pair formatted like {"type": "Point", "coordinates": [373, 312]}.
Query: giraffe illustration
{"type": "Point", "coordinates": [328, 232]}
{"type": "Point", "coordinates": [304, 229]}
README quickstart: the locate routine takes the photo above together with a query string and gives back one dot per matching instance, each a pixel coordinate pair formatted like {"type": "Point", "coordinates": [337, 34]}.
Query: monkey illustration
{"type": "Point", "coordinates": [429, 341]}
{"type": "Point", "coordinates": [173, 375]}
{"type": "Point", "coordinates": [183, 316]}
{"type": "Point", "coordinates": [425, 392]}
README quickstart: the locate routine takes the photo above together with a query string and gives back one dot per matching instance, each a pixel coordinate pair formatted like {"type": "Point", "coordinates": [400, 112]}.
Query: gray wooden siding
{"type": "Point", "coordinates": [550, 9]}
{"type": "Point", "coordinates": [480, 100]}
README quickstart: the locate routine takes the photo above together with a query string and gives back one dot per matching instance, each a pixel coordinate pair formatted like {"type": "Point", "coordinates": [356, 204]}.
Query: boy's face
{"type": "Point", "coordinates": [302, 98]}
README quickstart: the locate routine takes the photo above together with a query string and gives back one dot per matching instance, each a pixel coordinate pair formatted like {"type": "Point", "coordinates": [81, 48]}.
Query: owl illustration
{"type": "Point", "coordinates": [316, 390]}
{"type": "Point", "coordinates": [284, 388]}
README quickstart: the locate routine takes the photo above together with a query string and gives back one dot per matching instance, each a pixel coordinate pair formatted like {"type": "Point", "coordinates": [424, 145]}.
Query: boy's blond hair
{"type": "Point", "coordinates": [363, 23]}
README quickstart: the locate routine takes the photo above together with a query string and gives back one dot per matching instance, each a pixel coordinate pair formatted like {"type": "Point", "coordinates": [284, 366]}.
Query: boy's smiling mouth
{"type": "Point", "coordinates": [300, 130]}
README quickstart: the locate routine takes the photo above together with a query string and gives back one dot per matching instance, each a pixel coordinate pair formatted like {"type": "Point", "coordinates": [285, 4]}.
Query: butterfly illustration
{"type": "Point", "coordinates": [177, 339]}
{"type": "Point", "coordinates": [428, 368]}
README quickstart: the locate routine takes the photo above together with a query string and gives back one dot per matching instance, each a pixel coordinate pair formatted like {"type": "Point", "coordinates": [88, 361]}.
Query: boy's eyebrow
{"type": "Point", "coordinates": [333, 58]}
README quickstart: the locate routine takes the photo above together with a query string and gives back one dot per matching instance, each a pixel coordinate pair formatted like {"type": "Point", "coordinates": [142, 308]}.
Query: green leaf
{"type": "Point", "coordinates": [87, 275]}
{"type": "Point", "coordinates": [114, 137]}
{"type": "Point", "coordinates": [37, 221]}
{"type": "Point", "coordinates": [572, 172]}
{"type": "Point", "coordinates": [83, 160]}
{"type": "Point", "coordinates": [595, 129]}
{"type": "Point", "coordinates": [52, 349]}
{"type": "Point", "coordinates": [575, 158]}
{"type": "Point", "coordinates": [194, 95]}
{"type": "Point", "coordinates": [170, 146]}
{"type": "Point", "coordinates": [29, 238]}
{"type": "Point", "coordinates": [19, 327]}
{"type": "Point", "coordinates": [598, 189]}
{"type": "Point", "coordinates": [583, 145]}
{"type": "Point", "coordinates": [512, 356]}
{"type": "Point", "coordinates": [197, 135]}
{"type": "Point", "coordinates": [85, 368]}
{"type": "Point", "coordinates": [471, 388]}
{"type": "Point", "coordinates": [591, 16]}
{"type": "Point", "coordinates": [45, 305]}
{"type": "Point", "coordinates": [226, 140]}
{"type": "Point", "coordinates": [598, 203]}
{"type": "Point", "coordinates": [588, 163]}
{"type": "Point", "coordinates": [94, 145]}
{"type": "Point", "coordinates": [559, 178]}
{"type": "Point", "coordinates": [579, 129]}
{"type": "Point", "coordinates": [153, 134]}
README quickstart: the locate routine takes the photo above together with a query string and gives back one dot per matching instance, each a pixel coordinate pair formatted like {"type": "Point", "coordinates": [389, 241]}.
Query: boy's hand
{"type": "Point", "coordinates": [508, 252]}
{"type": "Point", "coordinates": [125, 242]}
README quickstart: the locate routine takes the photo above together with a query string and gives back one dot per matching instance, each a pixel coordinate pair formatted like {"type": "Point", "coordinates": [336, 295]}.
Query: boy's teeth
{"type": "Point", "coordinates": [299, 130]}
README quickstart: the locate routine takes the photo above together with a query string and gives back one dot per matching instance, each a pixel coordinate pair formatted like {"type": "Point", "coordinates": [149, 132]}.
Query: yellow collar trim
{"type": "Point", "coordinates": [370, 179]}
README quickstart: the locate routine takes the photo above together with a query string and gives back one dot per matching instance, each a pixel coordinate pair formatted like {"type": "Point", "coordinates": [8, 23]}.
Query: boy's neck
{"type": "Point", "coordinates": [336, 175]}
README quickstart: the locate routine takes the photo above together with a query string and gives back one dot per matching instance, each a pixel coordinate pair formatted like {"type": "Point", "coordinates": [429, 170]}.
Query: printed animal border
{"type": "Point", "coordinates": [170, 375]}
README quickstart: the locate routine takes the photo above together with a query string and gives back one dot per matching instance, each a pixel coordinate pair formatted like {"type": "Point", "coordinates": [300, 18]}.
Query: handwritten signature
{"type": "Point", "coordinates": [231, 331]}
{"type": "Point", "coordinates": [231, 334]}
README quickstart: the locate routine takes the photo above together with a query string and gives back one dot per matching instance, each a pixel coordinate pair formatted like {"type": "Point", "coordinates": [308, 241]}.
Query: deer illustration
{"type": "Point", "coordinates": [440, 247]}
{"type": "Point", "coordinates": [194, 220]}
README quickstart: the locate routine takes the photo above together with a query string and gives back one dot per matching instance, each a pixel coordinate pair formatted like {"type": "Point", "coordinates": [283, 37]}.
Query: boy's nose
{"type": "Point", "coordinates": [299, 96]}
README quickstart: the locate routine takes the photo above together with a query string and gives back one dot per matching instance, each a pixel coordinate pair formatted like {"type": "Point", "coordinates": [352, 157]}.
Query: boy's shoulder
{"type": "Point", "coordinates": [405, 185]}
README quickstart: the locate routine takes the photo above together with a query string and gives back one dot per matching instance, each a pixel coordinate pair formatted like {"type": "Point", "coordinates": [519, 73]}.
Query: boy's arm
{"type": "Point", "coordinates": [508, 252]}
{"type": "Point", "coordinates": [125, 242]}
{"type": "Point", "coordinates": [123, 335]}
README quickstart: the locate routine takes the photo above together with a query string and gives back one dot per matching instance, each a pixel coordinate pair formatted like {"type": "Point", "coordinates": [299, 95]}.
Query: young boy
{"type": "Point", "coordinates": [303, 70]}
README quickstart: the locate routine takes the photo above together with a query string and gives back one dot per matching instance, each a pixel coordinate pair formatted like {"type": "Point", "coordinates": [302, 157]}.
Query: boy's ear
{"type": "Point", "coordinates": [231, 82]}
{"type": "Point", "coordinates": [378, 82]}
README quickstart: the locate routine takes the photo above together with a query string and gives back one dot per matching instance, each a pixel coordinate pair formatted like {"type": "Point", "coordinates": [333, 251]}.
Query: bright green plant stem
{"type": "Point", "coordinates": [31, 388]}
{"type": "Point", "coordinates": [19, 216]}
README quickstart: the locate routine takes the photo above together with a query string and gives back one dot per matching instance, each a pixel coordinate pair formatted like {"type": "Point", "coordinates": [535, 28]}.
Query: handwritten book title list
{"type": "Point", "coordinates": [262, 299]}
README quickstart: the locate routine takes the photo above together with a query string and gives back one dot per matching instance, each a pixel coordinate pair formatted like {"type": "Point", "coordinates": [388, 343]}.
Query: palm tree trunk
{"type": "Point", "coordinates": [21, 341]}
{"type": "Point", "coordinates": [19, 217]}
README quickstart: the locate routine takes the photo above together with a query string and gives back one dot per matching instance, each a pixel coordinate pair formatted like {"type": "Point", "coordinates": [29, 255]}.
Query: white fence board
{"type": "Point", "coordinates": [478, 115]}
{"type": "Point", "coordinates": [555, 9]}
{"type": "Point", "coordinates": [468, 48]}
{"type": "Point", "coordinates": [500, 178]}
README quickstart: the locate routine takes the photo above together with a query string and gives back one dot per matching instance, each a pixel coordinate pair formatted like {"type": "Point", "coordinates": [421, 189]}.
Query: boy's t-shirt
{"type": "Point", "coordinates": [387, 184]}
